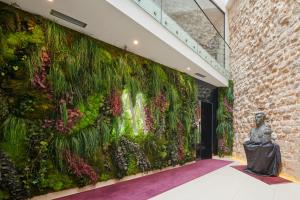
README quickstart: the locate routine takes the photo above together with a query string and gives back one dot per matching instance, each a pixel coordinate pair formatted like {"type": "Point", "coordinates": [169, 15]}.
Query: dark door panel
{"type": "Point", "coordinates": [206, 130]}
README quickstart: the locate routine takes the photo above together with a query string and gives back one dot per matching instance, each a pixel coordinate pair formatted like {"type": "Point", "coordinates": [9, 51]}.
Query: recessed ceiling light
{"type": "Point", "coordinates": [135, 42]}
{"type": "Point", "coordinates": [50, 0]}
{"type": "Point", "coordinates": [188, 68]}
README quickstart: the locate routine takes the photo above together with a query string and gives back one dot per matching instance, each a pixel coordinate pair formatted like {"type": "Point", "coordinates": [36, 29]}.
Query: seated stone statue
{"type": "Point", "coordinates": [263, 155]}
{"type": "Point", "coordinates": [262, 133]}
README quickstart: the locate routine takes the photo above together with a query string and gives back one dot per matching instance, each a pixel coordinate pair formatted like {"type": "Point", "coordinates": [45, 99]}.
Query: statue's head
{"type": "Point", "coordinates": [259, 118]}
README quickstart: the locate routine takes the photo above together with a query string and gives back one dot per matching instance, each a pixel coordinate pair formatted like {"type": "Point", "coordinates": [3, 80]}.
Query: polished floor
{"type": "Point", "coordinates": [228, 183]}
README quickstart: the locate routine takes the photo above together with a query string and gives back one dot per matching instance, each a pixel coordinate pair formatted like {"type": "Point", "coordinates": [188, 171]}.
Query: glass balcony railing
{"type": "Point", "coordinates": [189, 22]}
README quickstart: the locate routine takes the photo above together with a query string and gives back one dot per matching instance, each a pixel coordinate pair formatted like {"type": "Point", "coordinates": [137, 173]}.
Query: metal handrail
{"type": "Point", "coordinates": [157, 12]}
{"type": "Point", "coordinates": [212, 23]}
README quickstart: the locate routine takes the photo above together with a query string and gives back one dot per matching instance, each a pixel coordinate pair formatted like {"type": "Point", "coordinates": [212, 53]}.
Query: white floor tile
{"type": "Point", "coordinates": [289, 191]}
{"type": "Point", "coordinates": [230, 184]}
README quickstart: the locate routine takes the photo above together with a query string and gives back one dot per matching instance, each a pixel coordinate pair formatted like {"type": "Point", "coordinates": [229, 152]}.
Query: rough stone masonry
{"type": "Point", "coordinates": [265, 64]}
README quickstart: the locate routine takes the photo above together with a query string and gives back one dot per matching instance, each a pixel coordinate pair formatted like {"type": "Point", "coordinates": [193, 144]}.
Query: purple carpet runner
{"type": "Point", "coordinates": [149, 186]}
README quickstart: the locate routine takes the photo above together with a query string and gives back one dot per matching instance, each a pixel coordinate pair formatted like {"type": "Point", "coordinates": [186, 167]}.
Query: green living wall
{"type": "Point", "coordinates": [75, 111]}
{"type": "Point", "coordinates": [225, 120]}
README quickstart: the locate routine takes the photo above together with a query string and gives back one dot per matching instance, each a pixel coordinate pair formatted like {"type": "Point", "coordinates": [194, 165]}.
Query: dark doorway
{"type": "Point", "coordinates": [208, 94]}
{"type": "Point", "coordinates": [206, 130]}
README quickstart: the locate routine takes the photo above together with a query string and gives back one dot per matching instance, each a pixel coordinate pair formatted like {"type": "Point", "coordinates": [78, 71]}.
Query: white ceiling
{"type": "Point", "coordinates": [105, 22]}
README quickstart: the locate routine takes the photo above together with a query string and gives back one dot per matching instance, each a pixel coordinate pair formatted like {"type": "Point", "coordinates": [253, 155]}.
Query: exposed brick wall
{"type": "Point", "coordinates": [265, 64]}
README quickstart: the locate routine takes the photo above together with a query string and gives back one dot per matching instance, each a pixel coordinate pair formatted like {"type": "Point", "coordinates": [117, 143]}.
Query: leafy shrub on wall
{"type": "Point", "coordinates": [10, 178]}
{"type": "Point", "coordinates": [82, 111]}
{"type": "Point", "coordinates": [225, 120]}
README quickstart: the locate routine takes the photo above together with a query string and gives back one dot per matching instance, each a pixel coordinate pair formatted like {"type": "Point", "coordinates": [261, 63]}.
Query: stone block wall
{"type": "Point", "coordinates": [201, 30]}
{"type": "Point", "coordinates": [265, 64]}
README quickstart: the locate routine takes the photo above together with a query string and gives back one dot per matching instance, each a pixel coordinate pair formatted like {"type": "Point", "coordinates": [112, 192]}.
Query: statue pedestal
{"type": "Point", "coordinates": [263, 158]}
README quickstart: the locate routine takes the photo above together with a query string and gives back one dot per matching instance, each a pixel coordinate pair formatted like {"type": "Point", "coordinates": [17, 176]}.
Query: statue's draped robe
{"type": "Point", "coordinates": [263, 156]}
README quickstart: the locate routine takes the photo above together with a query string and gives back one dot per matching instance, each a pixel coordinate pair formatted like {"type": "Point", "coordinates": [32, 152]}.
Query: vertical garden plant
{"type": "Point", "coordinates": [75, 110]}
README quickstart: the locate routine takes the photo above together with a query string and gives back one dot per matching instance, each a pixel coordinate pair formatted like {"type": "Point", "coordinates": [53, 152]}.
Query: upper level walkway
{"type": "Point", "coordinates": [199, 24]}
